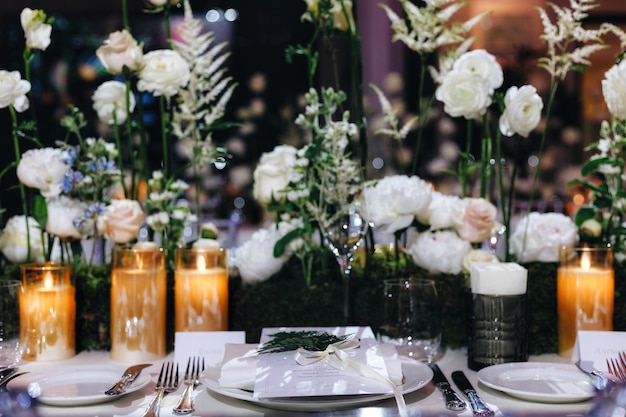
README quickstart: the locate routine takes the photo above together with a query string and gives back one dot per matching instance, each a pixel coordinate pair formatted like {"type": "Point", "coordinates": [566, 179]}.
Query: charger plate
{"type": "Point", "coordinates": [539, 381]}
{"type": "Point", "coordinates": [416, 375]}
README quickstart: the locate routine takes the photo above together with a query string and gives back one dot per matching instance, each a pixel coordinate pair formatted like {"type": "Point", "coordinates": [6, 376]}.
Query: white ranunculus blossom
{"type": "Point", "coordinates": [522, 112]}
{"type": "Point", "coordinates": [13, 90]}
{"type": "Point", "coordinates": [464, 93]}
{"type": "Point", "coordinates": [121, 221]}
{"type": "Point", "coordinates": [109, 99]}
{"type": "Point", "coordinates": [483, 64]}
{"type": "Point", "coordinates": [614, 90]}
{"type": "Point", "coordinates": [36, 31]}
{"type": "Point", "coordinates": [120, 50]}
{"type": "Point", "coordinates": [43, 169]}
{"type": "Point", "coordinates": [477, 255]}
{"type": "Point", "coordinates": [439, 252]}
{"type": "Point", "coordinates": [273, 173]}
{"type": "Point", "coordinates": [14, 241]}
{"type": "Point", "coordinates": [164, 72]}
{"type": "Point", "coordinates": [440, 212]}
{"type": "Point", "coordinates": [62, 212]}
{"type": "Point", "coordinates": [474, 219]}
{"type": "Point", "coordinates": [255, 257]}
{"type": "Point", "coordinates": [394, 201]}
{"type": "Point", "coordinates": [538, 237]}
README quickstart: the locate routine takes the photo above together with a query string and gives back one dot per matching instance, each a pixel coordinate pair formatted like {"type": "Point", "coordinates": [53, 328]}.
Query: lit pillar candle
{"type": "Point", "coordinates": [585, 293]}
{"type": "Point", "coordinates": [47, 312]}
{"type": "Point", "coordinates": [138, 303]}
{"type": "Point", "coordinates": [201, 289]}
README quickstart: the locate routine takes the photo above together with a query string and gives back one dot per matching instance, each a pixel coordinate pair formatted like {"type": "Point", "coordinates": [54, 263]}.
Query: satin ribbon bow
{"type": "Point", "coordinates": [335, 355]}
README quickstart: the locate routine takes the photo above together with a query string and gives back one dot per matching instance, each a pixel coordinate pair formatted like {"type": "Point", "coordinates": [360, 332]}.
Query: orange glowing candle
{"type": "Point", "coordinates": [585, 294]}
{"type": "Point", "coordinates": [201, 289]}
{"type": "Point", "coordinates": [47, 312]}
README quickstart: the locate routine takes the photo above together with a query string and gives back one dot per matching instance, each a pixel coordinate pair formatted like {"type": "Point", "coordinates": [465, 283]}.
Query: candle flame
{"type": "Point", "coordinates": [48, 280]}
{"type": "Point", "coordinates": [585, 260]}
{"type": "Point", "coordinates": [201, 263]}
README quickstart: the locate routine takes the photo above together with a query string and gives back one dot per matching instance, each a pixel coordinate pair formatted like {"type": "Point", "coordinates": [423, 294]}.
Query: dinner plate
{"type": "Point", "coordinates": [416, 375]}
{"type": "Point", "coordinates": [539, 381]}
{"type": "Point", "coordinates": [74, 385]}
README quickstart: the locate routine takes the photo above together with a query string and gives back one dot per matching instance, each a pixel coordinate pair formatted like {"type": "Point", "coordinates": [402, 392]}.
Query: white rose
{"type": "Point", "coordinates": [13, 90]}
{"type": "Point", "coordinates": [42, 169]}
{"type": "Point", "coordinates": [440, 212]}
{"type": "Point", "coordinates": [165, 71]}
{"type": "Point", "coordinates": [273, 173]}
{"type": "Point", "coordinates": [477, 255]}
{"type": "Point", "coordinates": [255, 258]}
{"type": "Point", "coordinates": [464, 93]}
{"type": "Point", "coordinates": [522, 112]}
{"type": "Point", "coordinates": [36, 31]}
{"type": "Point", "coordinates": [483, 64]}
{"type": "Point", "coordinates": [120, 49]}
{"type": "Point", "coordinates": [109, 99]}
{"type": "Point", "coordinates": [439, 252]}
{"type": "Point", "coordinates": [614, 90]}
{"type": "Point", "coordinates": [14, 242]}
{"type": "Point", "coordinates": [395, 201]}
{"type": "Point", "coordinates": [121, 221]}
{"type": "Point", "coordinates": [62, 213]}
{"type": "Point", "coordinates": [544, 235]}
{"type": "Point", "coordinates": [475, 219]}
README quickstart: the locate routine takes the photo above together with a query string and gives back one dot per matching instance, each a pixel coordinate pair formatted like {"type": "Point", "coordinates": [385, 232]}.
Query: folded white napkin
{"type": "Point", "coordinates": [240, 360]}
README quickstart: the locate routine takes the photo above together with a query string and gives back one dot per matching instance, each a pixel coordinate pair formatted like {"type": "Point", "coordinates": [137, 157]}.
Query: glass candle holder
{"type": "Point", "coordinates": [585, 293]}
{"type": "Point", "coordinates": [138, 303]}
{"type": "Point", "coordinates": [47, 312]}
{"type": "Point", "coordinates": [201, 289]}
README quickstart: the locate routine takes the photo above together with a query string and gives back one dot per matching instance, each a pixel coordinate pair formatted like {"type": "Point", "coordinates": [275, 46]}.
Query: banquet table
{"type": "Point", "coordinates": [427, 401]}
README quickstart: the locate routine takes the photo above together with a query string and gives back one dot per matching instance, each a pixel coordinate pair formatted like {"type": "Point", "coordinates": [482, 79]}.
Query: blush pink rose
{"type": "Point", "coordinates": [120, 49]}
{"type": "Point", "coordinates": [475, 220]}
{"type": "Point", "coordinates": [121, 221]}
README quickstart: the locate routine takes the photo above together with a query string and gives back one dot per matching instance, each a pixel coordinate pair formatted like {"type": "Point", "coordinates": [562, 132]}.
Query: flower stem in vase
{"type": "Point", "coordinates": [343, 236]}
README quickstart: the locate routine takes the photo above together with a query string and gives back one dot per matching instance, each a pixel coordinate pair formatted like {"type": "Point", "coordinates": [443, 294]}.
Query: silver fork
{"type": "Point", "coordinates": [617, 366]}
{"type": "Point", "coordinates": [166, 383]}
{"type": "Point", "coordinates": [192, 380]}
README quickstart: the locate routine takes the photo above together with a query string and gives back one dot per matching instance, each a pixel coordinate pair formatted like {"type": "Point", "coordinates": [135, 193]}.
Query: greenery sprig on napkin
{"type": "Point", "coordinates": [311, 340]}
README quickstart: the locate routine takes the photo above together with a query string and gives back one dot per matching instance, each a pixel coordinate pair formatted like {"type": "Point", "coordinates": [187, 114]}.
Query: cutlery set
{"type": "Point", "coordinates": [453, 401]}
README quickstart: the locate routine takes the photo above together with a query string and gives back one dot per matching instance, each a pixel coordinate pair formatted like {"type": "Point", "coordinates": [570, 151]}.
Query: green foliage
{"type": "Point", "coordinates": [307, 339]}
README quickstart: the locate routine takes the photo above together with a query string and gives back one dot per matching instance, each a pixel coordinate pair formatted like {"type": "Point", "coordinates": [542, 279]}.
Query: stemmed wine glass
{"type": "Point", "coordinates": [343, 236]}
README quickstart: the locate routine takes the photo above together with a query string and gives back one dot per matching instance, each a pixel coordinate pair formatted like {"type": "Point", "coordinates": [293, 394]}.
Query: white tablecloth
{"type": "Point", "coordinates": [427, 401]}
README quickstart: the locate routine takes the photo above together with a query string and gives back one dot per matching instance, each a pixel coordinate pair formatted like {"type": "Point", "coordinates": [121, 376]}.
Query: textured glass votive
{"type": "Point", "coordinates": [201, 289]}
{"type": "Point", "coordinates": [585, 290]}
{"type": "Point", "coordinates": [47, 312]}
{"type": "Point", "coordinates": [138, 303]}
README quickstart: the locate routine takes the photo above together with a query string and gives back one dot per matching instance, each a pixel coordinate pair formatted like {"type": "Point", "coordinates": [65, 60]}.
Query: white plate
{"type": "Point", "coordinates": [75, 385]}
{"type": "Point", "coordinates": [539, 381]}
{"type": "Point", "coordinates": [416, 375]}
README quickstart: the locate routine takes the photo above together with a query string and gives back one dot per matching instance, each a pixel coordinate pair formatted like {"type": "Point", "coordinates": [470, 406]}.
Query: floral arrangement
{"type": "Point", "coordinates": [94, 188]}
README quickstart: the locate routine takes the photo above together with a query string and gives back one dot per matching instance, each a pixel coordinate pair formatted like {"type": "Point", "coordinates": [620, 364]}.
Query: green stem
{"type": "Point", "coordinates": [166, 160]}
{"type": "Point", "coordinates": [120, 160]}
{"type": "Point", "coordinates": [129, 135]}
{"type": "Point", "coordinates": [464, 160]}
{"type": "Point", "coordinates": [486, 151]}
{"type": "Point", "coordinates": [28, 58]}
{"type": "Point", "coordinates": [125, 15]}
{"type": "Point", "coordinates": [143, 143]}
{"type": "Point", "coordinates": [18, 157]}
{"type": "Point", "coordinates": [421, 111]}
{"type": "Point", "coordinates": [168, 30]}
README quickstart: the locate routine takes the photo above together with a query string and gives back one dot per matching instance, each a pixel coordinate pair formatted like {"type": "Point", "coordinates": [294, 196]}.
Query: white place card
{"type": "Point", "coordinates": [598, 346]}
{"type": "Point", "coordinates": [209, 345]}
{"type": "Point", "coordinates": [279, 375]}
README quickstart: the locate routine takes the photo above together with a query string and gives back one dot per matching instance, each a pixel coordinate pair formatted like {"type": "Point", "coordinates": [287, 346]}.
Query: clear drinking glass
{"type": "Point", "coordinates": [10, 347]}
{"type": "Point", "coordinates": [411, 317]}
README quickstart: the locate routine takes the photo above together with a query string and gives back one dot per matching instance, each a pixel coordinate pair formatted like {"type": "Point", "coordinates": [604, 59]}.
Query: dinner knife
{"type": "Point", "coordinates": [453, 401]}
{"type": "Point", "coordinates": [127, 378]}
{"type": "Point", "coordinates": [479, 408]}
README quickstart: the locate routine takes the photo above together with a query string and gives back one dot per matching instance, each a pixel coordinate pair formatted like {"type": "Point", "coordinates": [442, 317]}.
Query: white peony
{"type": "Point", "coordinates": [120, 50]}
{"type": "Point", "coordinates": [483, 64]}
{"type": "Point", "coordinates": [477, 255]}
{"type": "Point", "coordinates": [464, 93]}
{"type": "Point", "coordinates": [255, 257]}
{"type": "Point", "coordinates": [614, 90]}
{"type": "Point", "coordinates": [440, 212]}
{"type": "Point", "coordinates": [42, 169]}
{"type": "Point", "coordinates": [164, 72]}
{"type": "Point", "coordinates": [394, 201]}
{"type": "Point", "coordinates": [36, 31]}
{"type": "Point", "coordinates": [439, 252]}
{"type": "Point", "coordinates": [14, 241]}
{"type": "Point", "coordinates": [62, 213]}
{"type": "Point", "coordinates": [13, 91]}
{"type": "Point", "coordinates": [538, 237]}
{"type": "Point", "coordinates": [522, 111]}
{"type": "Point", "coordinates": [273, 173]}
{"type": "Point", "coordinates": [109, 100]}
